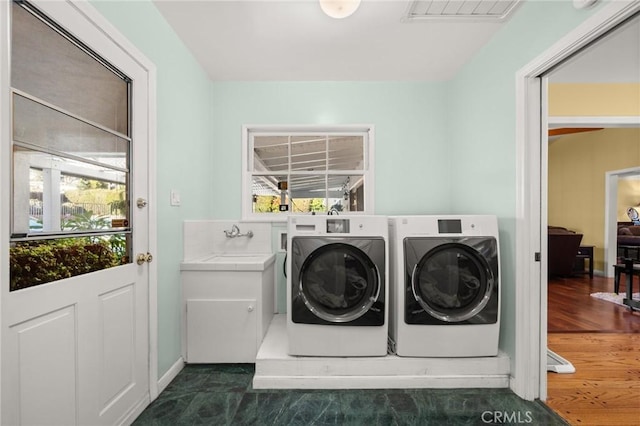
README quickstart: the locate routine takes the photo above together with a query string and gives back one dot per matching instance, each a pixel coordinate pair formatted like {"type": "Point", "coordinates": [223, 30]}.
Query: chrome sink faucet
{"type": "Point", "coordinates": [235, 232]}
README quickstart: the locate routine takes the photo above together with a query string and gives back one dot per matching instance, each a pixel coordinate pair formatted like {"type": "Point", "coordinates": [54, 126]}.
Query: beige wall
{"type": "Point", "coordinates": [605, 99]}
{"type": "Point", "coordinates": [577, 167]}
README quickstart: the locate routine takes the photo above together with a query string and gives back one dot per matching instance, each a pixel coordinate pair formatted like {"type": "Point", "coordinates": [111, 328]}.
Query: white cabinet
{"type": "Point", "coordinates": [226, 312]}
{"type": "Point", "coordinates": [221, 330]}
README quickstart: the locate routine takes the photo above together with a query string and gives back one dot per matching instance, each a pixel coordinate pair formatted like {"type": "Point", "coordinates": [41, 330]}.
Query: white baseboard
{"type": "Point", "coordinates": [170, 375]}
{"type": "Point", "coordinates": [137, 409]}
{"type": "Point", "coordinates": [380, 382]}
{"type": "Point", "coordinates": [164, 381]}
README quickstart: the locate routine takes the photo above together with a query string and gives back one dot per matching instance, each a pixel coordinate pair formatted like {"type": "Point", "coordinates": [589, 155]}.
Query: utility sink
{"type": "Point", "coordinates": [230, 262]}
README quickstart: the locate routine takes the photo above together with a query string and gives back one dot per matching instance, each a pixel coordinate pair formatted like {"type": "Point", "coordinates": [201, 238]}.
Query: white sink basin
{"type": "Point", "coordinates": [217, 257]}
{"type": "Point", "coordinates": [230, 262]}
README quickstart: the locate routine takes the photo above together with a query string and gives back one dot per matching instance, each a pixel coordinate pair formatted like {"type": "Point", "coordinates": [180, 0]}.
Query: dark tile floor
{"type": "Point", "coordinates": [221, 394]}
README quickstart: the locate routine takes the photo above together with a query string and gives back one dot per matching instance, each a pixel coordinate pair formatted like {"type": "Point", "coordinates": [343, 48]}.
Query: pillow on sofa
{"type": "Point", "coordinates": [623, 230]}
{"type": "Point", "coordinates": [558, 230]}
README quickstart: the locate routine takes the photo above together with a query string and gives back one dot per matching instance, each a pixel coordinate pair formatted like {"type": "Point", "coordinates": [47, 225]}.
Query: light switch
{"type": "Point", "coordinates": [175, 198]}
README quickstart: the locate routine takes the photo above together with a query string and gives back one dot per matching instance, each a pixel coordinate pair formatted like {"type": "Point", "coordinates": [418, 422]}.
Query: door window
{"type": "Point", "coordinates": [339, 282]}
{"type": "Point", "coordinates": [452, 282]}
{"type": "Point", "coordinates": [71, 150]}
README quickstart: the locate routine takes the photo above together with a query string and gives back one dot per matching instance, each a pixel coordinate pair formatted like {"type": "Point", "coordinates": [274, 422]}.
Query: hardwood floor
{"type": "Point", "coordinates": [605, 389]}
{"type": "Point", "coordinates": [572, 309]}
{"type": "Point", "coordinates": [602, 341]}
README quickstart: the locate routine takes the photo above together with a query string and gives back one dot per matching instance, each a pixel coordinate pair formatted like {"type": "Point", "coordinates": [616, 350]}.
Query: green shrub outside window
{"type": "Point", "coordinates": [38, 262]}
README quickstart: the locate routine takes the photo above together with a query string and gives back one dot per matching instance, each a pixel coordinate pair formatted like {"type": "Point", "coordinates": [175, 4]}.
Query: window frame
{"type": "Point", "coordinates": [367, 130]}
{"type": "Point", "coordinates": [21, 235]}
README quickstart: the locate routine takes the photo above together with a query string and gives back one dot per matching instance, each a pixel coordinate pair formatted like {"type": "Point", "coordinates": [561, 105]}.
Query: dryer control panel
{"type": "Point", "coordinates": [449, 226]}
{"type": "Point", "coordinates": [337, 226]}
{"type": "Point", "coordinates": [467, 225]}
{"type": "Point", "coordinates": [330, 224]}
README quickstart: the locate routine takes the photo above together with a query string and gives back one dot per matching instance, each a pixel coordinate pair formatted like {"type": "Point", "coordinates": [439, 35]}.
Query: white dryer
{"type": "Point", "coordinates": [445, 286]}
{"type": "Point", "coordinates": [337, 285]}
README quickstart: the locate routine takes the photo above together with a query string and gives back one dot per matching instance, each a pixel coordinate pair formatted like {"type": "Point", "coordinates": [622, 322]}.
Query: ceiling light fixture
{"type": "Point", "coordinates": [339, 9]}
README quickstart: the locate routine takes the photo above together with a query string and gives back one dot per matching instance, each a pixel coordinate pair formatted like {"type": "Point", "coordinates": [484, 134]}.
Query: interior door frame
{"type": "Point", "coordinates": [93, 19]}
{"type": "Point", "coordinates": [528, 377]}
{"type": "Point", "coordinates": [610, 216]}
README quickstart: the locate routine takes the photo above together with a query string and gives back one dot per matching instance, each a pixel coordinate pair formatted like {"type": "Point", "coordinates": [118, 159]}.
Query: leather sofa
{"type": "Point", "coordinates": [563, 245]}
{"type": "Point", "coordinates": [628, 234]}
{"type": "Point", "coordinates": [628, 240]}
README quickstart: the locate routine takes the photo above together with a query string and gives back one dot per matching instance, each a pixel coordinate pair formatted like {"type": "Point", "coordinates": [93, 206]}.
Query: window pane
{"type": "Point", "coordinates": [346, 153]}
{"type": "Point", "coordinates": [266, 196]}
{"type": "Point", "coordinates": [270, 153]}
{"type": "Point", "coordinates": [47, 65]}
{"type": "Point", "coordinates": [308, 193]}
{"type": "Point", "coordinates": [346, 193]}
{"type": "Point", "coordinates": [326, 170]}
{"type": "Point", "coordinates": [308, 153]}
{"type": "Point", "coordinates": [37, 262]}
{"type": "Point", "coordinates": [49, 129]}
{"type": "Point", "coordinates": [70, 165]}
{"type": "Point", "coordinates": [53, 194]}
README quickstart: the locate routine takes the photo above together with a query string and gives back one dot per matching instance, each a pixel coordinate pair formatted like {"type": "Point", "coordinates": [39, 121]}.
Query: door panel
{"type": "Point", "coordinates": [117, 322]}
{"type": "Point", "coordinates": [84, 336]}
{"type": "Point", "coordinates": [46, 377]}
{"type": "Point", "coordinates": [76, 350]}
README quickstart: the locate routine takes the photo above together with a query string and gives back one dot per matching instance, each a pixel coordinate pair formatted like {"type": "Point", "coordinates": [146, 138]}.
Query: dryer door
{"type": "Point", "coordinates": [339, 283]}
{"type": "Point", "coordinates": [452, 282]}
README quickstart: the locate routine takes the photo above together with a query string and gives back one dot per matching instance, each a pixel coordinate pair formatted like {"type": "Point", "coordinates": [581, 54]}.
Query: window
{"type": "Point", "coordinates": [71, 153]}
{"type": "Point", "coordinates": [307, 170]}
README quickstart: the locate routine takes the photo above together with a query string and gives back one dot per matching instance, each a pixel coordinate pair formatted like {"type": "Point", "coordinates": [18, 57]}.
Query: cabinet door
{"type": "Point", "coordinates": [221, 330]}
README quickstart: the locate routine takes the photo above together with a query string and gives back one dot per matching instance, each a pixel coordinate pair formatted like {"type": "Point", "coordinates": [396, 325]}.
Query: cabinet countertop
{"type": "Point", "coordinates": [230, 262]}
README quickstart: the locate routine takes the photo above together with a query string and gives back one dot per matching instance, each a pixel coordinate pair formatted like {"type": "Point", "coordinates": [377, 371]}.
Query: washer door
{"type": "Point", "coordinates": [339, 282]}
{"type": "Point", "coordinates": [452, 282]}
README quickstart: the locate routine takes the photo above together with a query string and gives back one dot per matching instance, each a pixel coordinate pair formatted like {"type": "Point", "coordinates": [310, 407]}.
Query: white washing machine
{"type": "Point", "coordinates": [445, 286]}
{"type": "Point", "coordinates": [337, 285]}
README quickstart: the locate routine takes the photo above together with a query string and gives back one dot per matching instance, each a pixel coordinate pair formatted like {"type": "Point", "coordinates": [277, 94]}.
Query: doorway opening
{"type": "Point", "coordinates": [529, 373]}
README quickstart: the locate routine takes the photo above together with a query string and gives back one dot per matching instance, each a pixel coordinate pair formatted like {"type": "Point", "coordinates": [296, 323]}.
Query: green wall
{"type": "Point", "coordinates": [440, 147]}
{"type": "Point", "coordinates": [411, 151]}
{"type": "Point", "coordinates": [482, 134]}
{"type": "Point", "coordinates": [183, 151]}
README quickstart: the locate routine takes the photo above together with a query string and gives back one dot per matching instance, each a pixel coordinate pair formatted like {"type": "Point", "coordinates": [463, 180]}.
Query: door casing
{"type": "Point", "coordinates": [528, 378]}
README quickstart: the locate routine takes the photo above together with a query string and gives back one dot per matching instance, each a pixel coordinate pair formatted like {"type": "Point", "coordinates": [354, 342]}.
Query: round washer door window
{"type": "Point", "coordinates": [339, 282]}
{"type": "Point", "coordinates": [452, 282]}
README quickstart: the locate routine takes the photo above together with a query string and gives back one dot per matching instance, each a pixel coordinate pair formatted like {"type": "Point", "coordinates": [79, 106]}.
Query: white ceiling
{"type": "Point", "coordinates": [293, 40]}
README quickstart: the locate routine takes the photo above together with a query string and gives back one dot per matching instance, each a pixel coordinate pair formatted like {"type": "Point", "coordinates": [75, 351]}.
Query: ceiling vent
{"type": "Point", "coordinates": [461, 10]}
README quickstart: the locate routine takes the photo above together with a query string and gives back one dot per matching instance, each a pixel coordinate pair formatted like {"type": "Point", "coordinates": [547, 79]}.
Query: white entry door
{"type": "Point", "coordinates": [75, 351]}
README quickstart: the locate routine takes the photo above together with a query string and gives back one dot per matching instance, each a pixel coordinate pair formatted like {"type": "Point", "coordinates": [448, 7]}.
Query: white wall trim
{"type": "Point", "coordinates": [528, 365]}
{"type": "Point", "coordinates": [133, 414]}
{"type": "Point", "coordinates": [171, 374]}
{"type": "Point", "coordinates": [246, 161]}
{"type": "Point", "coordinates": [604, 121]}
{"type": "Point", "coordinates": [5, 157]}
{"type": "Point", "coordinates": [610, 221]}
{"type": "Point", "coordinates": [528, 241]}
